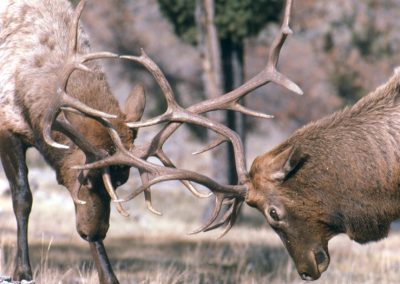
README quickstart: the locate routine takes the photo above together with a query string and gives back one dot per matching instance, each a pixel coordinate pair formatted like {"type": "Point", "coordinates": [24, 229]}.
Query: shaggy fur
{"type": "Point", "coordinates": [33, 48]}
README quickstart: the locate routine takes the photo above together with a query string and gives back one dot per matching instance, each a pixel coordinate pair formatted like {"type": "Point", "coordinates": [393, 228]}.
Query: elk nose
{"type": "Point", "coordinates": [322, 260]}
{"type": "Point", "coordinates": [306, 277]}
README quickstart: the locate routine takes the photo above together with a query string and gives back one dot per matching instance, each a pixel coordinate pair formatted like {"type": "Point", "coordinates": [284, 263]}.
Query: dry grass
{"type": "Point", "coordinates": [149, 249]}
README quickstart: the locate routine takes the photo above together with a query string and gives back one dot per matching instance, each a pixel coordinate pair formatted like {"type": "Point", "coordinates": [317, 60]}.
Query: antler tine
{"type": "Point", "coordinates": [149, 204]}
{"type": "Point", "coordinates": [73, 61]}
{"type": "Point", "coordinates": [229, 214]}
{"type": "Point", "coordinates": [230, 100]}
{"type": "Point", "coordinates": [123, 156]}
{"type": "Point", "coordinates": [111, 192]}
{"type": "Point", "coordinates": [177, 114]}
{"type": "Point", "coordinates": [163, 174]}
{"type": "Point", "coordinates": [147, 194]}
{"type": "Point", "coordinates": [172, 106]}
{"type": "Point", "coordinates": [211, 146]}
{"type": "Point", "coordinates": [232, 218]}
{"type": "Point", "coordinates": [91, 153]}
{"type": "Point", "coordinates": [280, 39]}
{"type": "Point", "coordinates": [218, 202]}
{"type": "Point", "coordinates": [242, 109]}
{"type": "Point", "coordinates": [168, 163]}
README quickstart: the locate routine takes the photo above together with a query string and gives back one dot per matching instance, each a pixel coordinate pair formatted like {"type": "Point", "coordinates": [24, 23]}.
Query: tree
{"type": "Point", "coordinates": [234, 21]}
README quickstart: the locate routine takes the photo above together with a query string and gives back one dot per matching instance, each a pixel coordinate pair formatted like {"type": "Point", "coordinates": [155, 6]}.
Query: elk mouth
{"type": "Point", "coordinates": [318, 262]}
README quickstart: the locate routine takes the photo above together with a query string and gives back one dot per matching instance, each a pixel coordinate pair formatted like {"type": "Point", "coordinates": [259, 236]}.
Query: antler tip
{"type": "Point", "coordinates": [297, 90]}
{"type": "Point", "coordinates": [57, 145]}
{"type": "Point", "coordinates": [287, 31]}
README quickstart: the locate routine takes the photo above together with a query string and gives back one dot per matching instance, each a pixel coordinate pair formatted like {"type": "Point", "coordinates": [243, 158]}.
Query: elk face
{"type": "Point", "coordinates": [297, 219]}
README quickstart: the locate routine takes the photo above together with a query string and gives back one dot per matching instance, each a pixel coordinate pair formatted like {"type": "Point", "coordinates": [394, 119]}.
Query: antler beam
{"type": "Point", "coordinates": [175, 115]}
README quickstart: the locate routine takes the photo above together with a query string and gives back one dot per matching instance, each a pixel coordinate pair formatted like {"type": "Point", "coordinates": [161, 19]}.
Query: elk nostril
{"type": "Point", "coordinates": [306, 277]}
{"type": "Point", "coordinates": [320, 257]}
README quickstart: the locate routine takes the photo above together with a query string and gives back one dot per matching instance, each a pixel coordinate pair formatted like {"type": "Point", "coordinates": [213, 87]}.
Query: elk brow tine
{"type": "Point", "coordinates": [223, 220]}
{"type": "Point", "coordinates": [110, 190]}
{"type": "Point", "coordinates": [233, 219]}
{"type": "Point", "coordinates": [214, 215]}
{"type": "Point", "coordinates": [108, 185]}
{"type": "Point", "coordinates": [167, 162]}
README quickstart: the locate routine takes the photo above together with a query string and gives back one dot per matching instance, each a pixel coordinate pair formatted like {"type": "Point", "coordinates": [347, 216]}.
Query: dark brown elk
{"type": "Point", "coordinates": [340, 174]}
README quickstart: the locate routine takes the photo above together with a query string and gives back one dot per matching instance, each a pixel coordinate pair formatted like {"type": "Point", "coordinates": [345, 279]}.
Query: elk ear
{"type": "Point", "coordinates": [135, 104]}
{"type": "Point", "coordinates": [286, 162]}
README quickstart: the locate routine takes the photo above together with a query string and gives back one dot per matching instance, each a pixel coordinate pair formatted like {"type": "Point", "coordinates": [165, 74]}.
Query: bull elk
{"type": "Point", "coordinates": [337, 175]}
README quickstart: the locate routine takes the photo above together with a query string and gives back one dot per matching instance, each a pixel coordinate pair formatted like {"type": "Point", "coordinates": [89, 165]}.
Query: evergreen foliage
{"type": "Point", "coordinates": [235, 19]}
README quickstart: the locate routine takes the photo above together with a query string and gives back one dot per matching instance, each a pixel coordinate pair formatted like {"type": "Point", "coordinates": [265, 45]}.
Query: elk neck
{"type": "Point", "coordinates": [353, 166]}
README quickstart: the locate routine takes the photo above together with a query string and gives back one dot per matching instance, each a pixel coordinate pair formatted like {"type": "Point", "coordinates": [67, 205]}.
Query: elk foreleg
{"type": "Point", "coordinates": [13, 154]}
{"type": "Point", "coordinates": [92, 225]}
{"type": "Point", "coordinates": [104, 269]}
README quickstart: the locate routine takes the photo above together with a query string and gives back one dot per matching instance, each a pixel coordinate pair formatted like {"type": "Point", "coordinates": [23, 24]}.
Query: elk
{"type": "Point", "coordinates": [41, 45]}
{"type": "Point", "coordinates": [320, 182]}
{"type": "Point", "coordinates": [340, 174]}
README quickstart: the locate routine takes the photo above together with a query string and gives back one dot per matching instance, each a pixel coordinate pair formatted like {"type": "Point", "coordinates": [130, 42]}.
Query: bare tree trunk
{"type": "Point", "coordinates": [233, 62]}
{"type": "Point", "coordinates": [209, 47]}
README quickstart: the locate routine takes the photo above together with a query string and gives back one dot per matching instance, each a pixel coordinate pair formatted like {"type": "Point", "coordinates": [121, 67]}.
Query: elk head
{"type": "Point", "coordinates": [287, 199]}
{"type": "Point", "coordinates": [263, 188]}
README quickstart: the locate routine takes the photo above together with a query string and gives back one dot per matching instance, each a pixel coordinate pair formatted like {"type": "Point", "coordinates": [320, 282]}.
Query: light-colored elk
{"type": "Point", "coordinates": [51, 93]}
{"type": "Point", "coordinates": [40, 46]}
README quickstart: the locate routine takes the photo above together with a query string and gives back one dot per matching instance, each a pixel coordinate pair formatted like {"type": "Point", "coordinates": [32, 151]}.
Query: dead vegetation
{"type": "Point", "coordinates": [149, 249]}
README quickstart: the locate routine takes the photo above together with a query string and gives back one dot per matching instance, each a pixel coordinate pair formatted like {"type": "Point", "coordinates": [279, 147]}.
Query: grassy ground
{"type": "Point", "coordinates": [149, 249]}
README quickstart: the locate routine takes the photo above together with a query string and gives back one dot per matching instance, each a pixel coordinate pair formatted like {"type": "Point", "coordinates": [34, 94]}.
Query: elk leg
{"type": "Point", "coordinates": [92, 225]}
{"type": "Point", "coordinates": [13, 153]}
{"type": "Point", "coordinates": [103, 265]}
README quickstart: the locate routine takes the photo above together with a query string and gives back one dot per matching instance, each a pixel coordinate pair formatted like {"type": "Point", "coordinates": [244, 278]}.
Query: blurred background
{"type": "Point", "coordinates": [340, 51]}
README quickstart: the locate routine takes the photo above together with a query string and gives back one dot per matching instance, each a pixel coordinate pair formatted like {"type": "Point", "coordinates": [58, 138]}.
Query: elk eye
{"type": "Point", "coordinates": [274, 215]}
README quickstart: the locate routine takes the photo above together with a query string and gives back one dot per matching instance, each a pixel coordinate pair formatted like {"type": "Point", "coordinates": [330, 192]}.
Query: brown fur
{"type": "Point", "coordinates": [339, 174]}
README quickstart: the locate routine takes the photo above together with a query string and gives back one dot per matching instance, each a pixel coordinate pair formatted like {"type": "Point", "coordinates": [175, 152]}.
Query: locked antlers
{"type": "Point", "coordinates": [175, 116]}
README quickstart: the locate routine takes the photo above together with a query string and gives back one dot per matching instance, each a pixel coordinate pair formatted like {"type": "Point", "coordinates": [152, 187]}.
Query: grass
{"type": "Point", "coordinates": [145, 248]}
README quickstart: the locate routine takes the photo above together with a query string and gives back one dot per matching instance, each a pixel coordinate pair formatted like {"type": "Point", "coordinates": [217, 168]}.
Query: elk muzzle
{"type": "Point", "coordinates": [92, 218]}
{"type": "Point", "coordinates": [311, 264]}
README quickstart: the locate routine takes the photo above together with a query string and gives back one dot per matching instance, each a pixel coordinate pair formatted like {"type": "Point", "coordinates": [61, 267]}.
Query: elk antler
{"type": "Point", "coordinates": [62, 101]}
{"type": "Point", "coordinates": [74, 61]}
{"type": "Point", "coordinates": [175, 115]}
